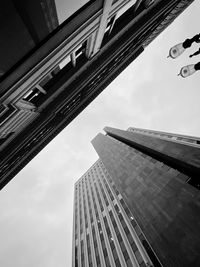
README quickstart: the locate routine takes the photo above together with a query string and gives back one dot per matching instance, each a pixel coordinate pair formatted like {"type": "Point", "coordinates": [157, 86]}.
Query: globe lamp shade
{"type": "Point", "coordinates": [187, 70]}
{"type": "Point", "coordinates": [176, 51]}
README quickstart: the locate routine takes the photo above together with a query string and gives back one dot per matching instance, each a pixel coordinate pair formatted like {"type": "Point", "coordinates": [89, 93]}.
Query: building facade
{"type": "Point", "coordinates": [136, 207]}
{"type": "Point", "coordinates": [69, 66]}
{"type": "Point", "coordinates": [24, 24]}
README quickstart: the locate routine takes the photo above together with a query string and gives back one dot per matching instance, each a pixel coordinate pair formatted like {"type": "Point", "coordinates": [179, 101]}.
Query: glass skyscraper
{"type": "Point", "coordinates": [139, 204]}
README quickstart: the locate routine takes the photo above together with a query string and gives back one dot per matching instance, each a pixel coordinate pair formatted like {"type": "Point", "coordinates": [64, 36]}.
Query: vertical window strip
{"type": "Point", "coordinates": [113, 240]}
{"type": "Point", "coordinates": [84, 252]}
{"type": "Point", "coordinates": [125, 225]}
{"type": "Point", "coordinates": [105, 240]}
{"type": "Point", "coordinates": [93, 209]}
{"type": "Point", "coordinates": [89, 238]}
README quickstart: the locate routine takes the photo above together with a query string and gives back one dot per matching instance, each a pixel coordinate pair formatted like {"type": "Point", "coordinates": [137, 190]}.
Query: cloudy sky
{"type": "Point", "coordinates": [36, 206]}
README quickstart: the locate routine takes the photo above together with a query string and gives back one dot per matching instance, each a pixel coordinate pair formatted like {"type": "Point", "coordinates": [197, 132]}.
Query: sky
{"type": "Point", "coordinates": [36, 206]}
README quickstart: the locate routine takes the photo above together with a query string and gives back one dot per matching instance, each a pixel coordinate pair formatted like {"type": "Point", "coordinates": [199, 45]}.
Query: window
{"type": "Point", "coordinates": [126, 256]}
{"type": "Point", "coordinates": [137, 229]}
{"type": "Point", "coordinates": [115, 254]}
{"type": "Point", "coordinates": [107, 262]}
{"type": "Point", "coordinates": [31, 95]}
{"type": "Point", "coordinates": [129, 264]}
{"type": "Point", "coordinates": [81, 49]}
{"type": "Point", "coordinates": [64, 62]}
{"type": "Point", "coordinates": [151, 254]}
{"type": "Point", "coordinates": [76, 256]}
{"type": "Point", "coordinates": [138, 256]}
{"type": "Point", "coordinates": [110, 24]}
{"type": "Point", "coordinates": [117, 262]}
{"type": "Point", "coordinates": [133, 246]}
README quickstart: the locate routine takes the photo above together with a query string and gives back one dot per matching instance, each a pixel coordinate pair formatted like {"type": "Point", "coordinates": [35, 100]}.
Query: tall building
{"type": "Point", "coordinates": [63, 68]}
{"type": "Point", "coordinates": [23, 25]}
{"type": "Point", "coordinates": [139, 204]}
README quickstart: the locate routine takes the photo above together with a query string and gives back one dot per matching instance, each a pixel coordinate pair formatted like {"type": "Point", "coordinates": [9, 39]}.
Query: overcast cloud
{"type": "Point", "coordinates": [36, 206]}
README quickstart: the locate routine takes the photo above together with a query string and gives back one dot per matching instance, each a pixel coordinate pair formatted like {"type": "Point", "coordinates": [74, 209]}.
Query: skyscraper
{"type": "Point", "coordinates": [139, 204]}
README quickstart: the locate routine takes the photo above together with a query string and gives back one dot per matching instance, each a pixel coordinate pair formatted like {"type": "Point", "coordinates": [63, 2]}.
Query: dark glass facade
{"type": "Point", "coordinates": [160, 195]}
